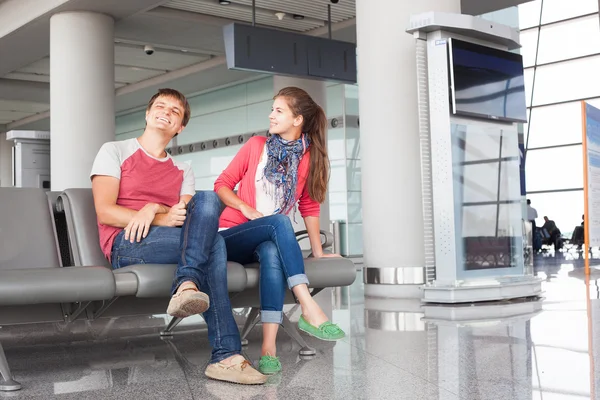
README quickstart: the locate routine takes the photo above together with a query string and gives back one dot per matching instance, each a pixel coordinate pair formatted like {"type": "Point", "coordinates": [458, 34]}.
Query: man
{"type": "Point", "coordinates": [148, 212]}
{"type": "Point", "coordinates": [551, 233]}
{"type": "Point", "coordinates": [531, 215]}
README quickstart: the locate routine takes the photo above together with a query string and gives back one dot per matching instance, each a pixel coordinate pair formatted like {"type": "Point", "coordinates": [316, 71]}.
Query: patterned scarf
{"type": "Point", "coordinates": [282, 169]}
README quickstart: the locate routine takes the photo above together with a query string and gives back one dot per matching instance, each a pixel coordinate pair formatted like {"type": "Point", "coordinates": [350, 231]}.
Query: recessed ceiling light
{"type": "Point", "coordinates": [298, 16]}
{"type": "Point", "coordinates": [224, 2]}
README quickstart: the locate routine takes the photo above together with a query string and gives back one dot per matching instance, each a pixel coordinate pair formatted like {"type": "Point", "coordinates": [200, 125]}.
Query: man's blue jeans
{"type": "Point", "coordinates": [271, 241]}
{"type": "Point", "coordinates": [200, 255]}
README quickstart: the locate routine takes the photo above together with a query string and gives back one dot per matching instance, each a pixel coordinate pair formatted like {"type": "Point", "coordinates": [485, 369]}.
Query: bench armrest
{"type": "Point", "coordinates": [55, 285]}
{"type": "Point", "coordinates": [326, 237]}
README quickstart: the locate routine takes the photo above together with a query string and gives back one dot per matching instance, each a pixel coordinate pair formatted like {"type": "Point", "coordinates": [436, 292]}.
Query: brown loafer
{"type": "Point", "coordinates": [188, 302]}
{"type": "Point", "coordinates": [240, 371]}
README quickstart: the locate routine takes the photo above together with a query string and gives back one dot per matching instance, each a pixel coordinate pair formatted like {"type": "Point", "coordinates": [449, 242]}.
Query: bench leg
{"type": "Point", "coordinates": [251, 322]}
{"type": "Point", "coordinates": [7, 383]}
{"type": "Point", "coordinates": [291, 330]}
{"type": "Point", "coordinates": [172, 324]}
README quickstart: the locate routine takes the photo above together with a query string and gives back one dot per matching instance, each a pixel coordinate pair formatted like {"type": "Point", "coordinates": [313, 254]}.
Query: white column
{"type": "Point", "coordinates": [391, 178]}
{"type": "Point", "coordinates": [318, 91]}
{"type": "Point", "coordinates": [5, 161]}
{"type": "Point", "coordinates": [82, 94]}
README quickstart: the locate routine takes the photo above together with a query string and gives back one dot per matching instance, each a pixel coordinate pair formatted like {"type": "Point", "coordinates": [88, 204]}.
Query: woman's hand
{"type": "Point", "coordinates": [250, 212]}
{"type": "Point", "coordinates": [139, 225]}
{"type": "Point", "coordinates": [327, 255]}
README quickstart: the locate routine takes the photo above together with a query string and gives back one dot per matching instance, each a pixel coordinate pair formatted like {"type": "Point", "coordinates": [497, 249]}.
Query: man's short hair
{"type": "Point", "coordinates": [176, 95]}
{"type": "Point", "coordinates": [528, 201]}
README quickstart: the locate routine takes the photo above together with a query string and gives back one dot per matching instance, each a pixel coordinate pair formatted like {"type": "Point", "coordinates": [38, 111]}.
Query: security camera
{"type": "Point", "coordinates": [148, 49]}
{"type": "Point", "coordinates": [335, 1]}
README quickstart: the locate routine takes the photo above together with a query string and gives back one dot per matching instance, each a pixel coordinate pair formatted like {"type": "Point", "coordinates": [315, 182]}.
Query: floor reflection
{"type": "Point", "coordinates": [395, 349]}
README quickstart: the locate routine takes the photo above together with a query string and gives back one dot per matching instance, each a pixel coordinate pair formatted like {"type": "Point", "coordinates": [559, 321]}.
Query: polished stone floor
{"type": "Point", "coordinates": [544, 349]}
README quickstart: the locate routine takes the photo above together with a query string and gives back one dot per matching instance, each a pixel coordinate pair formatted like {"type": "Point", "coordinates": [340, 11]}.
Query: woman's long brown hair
{"type": "Point", "coordinates": [315, 126]}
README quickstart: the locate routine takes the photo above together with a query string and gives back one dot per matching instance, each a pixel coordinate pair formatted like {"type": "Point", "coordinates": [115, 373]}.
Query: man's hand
{"type": "Point", "coordinates": [176, 215]}
{"type": "Point", "coordinates": [250, 212]}
{"type": "Point", "coordinates": [139, 225]}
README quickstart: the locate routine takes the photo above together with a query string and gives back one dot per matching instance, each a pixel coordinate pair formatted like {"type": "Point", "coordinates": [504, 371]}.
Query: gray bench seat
{"type": "Point", "coordinates": [321, 272]}
{"type": "Point", "coordinates": [155, 280]}
{"type": "Point", "coordinates": [55, 285]}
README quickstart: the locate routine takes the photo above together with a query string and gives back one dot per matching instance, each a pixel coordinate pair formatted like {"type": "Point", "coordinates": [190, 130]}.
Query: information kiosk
{"type": "Point", "coordinates": [471, 97]}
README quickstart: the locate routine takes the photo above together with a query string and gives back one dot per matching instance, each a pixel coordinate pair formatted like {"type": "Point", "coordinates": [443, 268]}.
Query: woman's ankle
{"type": "Point", "coordinates": [269, 351]}
{"type": "Point", "coordinates": [315, 317]}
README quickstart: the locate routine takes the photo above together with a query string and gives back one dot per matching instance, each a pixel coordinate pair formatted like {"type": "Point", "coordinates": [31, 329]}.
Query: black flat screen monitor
{"type": "Point", "coordinates": [486, 82]}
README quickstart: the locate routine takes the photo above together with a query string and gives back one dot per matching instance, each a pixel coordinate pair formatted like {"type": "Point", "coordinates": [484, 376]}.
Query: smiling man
{"type": "Point", "coordinates": [149, 213]}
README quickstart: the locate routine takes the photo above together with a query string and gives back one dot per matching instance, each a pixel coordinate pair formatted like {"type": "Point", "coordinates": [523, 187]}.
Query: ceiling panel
{"type": "Point", "coordinates": [159, 30]}
{"type": "Point", "coordinates": [39, 67]}
{"type": "Point", "coordinates": [165, 60]}
{"type": "Point", "coordinates": [314, 11]}
{"type": "Point", "coordinates": [23, 106]}
{"type": "Point", "coordinates": [134, 74]}
{"type": "Point", "coordinates": [317, 9]}
{"type": "Point", "coordinates": [10, 116]}
{"type": "Point", "coordinates": [26, 76]}
{"type": "Point", "coordinates": [243, 14]}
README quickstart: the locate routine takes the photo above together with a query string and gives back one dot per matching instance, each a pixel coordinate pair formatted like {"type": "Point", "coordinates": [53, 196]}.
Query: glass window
{"type": "Point", "coordinates": [488, 236]}
{"type": "Point", "coordinates": [480, 182]}
{"type": "Point", "coordinates": [508, 16]}
{"type": "Point", "coordinates": [554, 169]}
{"type": "Point", "coordinates": [555, 125]}
{"type": "Point", "coordinates": [528, 41]}
{"type": "Point", "coordinates": [529, 14]}
{"type": "Point", "coordinates": [524, 127]}
{"type": "Point", "coordinates": [564, 208]}
{"type": "Point", "coordinates": [528, 83]}
{"type": "Point", "coordinates": [558, 10]}
{"type": "Point", "coordinates": [481, 143]}
{"type": "Point", "coordinates": [567, 80]}
{"type": "Point", "coordinates": [569, 39]}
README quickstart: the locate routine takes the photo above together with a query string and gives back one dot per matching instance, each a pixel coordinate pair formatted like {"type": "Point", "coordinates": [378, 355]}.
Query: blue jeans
{"type": "Point", "coordinates": [272, 242]}
{"type": "Point", "coordinates": [200, 255]}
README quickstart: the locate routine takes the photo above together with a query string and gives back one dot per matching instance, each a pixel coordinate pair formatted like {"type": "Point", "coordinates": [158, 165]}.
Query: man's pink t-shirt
{"type": "Point", "coordinates": [142, 178]}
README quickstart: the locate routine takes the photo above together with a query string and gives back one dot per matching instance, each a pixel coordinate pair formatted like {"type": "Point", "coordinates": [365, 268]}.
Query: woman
{"type": "Point", "coordinates": [290, 167]}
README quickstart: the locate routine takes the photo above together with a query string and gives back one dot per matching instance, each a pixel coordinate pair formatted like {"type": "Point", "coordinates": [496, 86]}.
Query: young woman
{"type": "Point", "coordinates": [288, 170]}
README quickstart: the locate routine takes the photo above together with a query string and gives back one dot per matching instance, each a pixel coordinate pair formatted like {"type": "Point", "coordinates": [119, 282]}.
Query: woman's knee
{"type": "Point", "coordinates": [268, 253]}
{"type": "Point", "coordinates": [280, 221]}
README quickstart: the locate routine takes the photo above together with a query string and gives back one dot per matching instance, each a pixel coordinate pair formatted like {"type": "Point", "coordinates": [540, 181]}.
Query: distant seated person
{"type": "Point", "coordinates": [551, 233]}
{"type": "Point", "coordinates": [578, 234]}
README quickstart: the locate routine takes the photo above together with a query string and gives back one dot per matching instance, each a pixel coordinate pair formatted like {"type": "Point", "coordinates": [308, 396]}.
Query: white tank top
{"type": "Point", "coordinates": [265, 190]}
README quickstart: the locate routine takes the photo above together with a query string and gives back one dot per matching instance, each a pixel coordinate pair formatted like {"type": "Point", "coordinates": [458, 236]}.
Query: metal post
{"type": "Point", "coordinates": [253, 12]}
{"type": "Point", "coordinates": [336, 248]}
{"type": "Point", "coordinates": [329, 19]}
{"type": "Point", "coordinates": [7, 383]}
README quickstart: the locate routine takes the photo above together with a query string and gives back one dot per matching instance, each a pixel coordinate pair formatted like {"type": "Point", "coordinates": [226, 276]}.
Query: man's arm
{"type": "Point", "coordinates": [106, 190]}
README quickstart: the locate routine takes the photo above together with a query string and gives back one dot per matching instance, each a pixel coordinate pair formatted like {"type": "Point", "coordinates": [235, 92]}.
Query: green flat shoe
{"type": "Point", "coordinates": [326, 331]}
{"type": "Point", "coordinates": [269, 365]}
